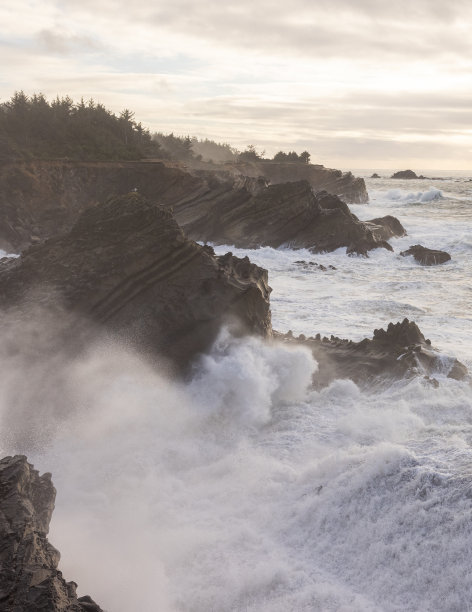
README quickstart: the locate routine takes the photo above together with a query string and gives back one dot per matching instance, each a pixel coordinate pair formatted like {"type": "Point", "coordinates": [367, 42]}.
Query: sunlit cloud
{"type": "Point", "coordinates": [322, 75]}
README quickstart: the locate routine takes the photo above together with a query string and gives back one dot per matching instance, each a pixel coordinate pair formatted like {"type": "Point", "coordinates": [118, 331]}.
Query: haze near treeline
{"type": "Point", "coordinates": [365, 84]}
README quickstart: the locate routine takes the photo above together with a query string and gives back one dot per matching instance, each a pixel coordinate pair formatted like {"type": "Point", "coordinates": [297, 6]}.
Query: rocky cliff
{"type": "Point", "coordinates": [128, 266]}
{"type": "Point", "coordinates": [349, 188]}
{"type": "Point", "coordinates": [284, 214]}
{"type": "Point", "coordinates": [29, 578]}
{"type": "Point", "coordinates": [41, 199]}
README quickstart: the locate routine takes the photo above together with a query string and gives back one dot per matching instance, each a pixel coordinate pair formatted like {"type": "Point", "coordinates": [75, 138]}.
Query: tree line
{"type": "Point", "coordinates": [32, 127]}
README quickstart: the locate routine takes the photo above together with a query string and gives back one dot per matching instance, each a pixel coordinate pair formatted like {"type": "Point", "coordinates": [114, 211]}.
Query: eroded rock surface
{"type": "Point", "coordinates": [349, 188]}
{"type": "Point", "coordinates": [128, 266]}
{"type": "Point", "coordinates": [29, 578]}
{"type": "Point", "coordinates": [399, 351]}
{"type": "Point", "coordinates": [425, 256]}
{"type": "Point", "coordinates": [285, 214]}
{"type": "Point", "coordinates": [405, 174]}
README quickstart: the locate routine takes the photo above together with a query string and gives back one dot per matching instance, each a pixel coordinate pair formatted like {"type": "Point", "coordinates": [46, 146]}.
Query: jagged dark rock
{"type": "Point", "coordinates": [128, 266]}
{"type": "Point", "coordinates": [375, 175]}
{"type": "Point", "coordinates": [425, 256]}
{"type": "Point", "coordinates": [29, 578]}
{"type": "Point", "coordinates": [384, 228]}
{"type": "Point", "coordinates": [41, 199]}
{"type": "Point", "coordinates": [405, 174]}
{"type": "Point", "coordinates": [284, 214]}
{"type": "Point", "coordinates": [399, 351]}
{"type": "Point", "coordinates": [349, 188]}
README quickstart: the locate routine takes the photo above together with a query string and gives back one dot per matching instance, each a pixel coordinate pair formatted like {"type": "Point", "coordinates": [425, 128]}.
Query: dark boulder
{"type": "Point", "coordinates": [405, 174]}
{"type": "Point", "coordinates": [375, 176]}
{"type": "Point", "coordinates": [425, 256]}
{"type": "Point", "coordinates": [29, 578]}
{"type": "Point", "coordinates": [127, 266]}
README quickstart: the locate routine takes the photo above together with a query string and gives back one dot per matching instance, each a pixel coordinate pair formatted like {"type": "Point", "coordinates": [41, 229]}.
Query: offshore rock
{"type": "Point", "coordinates": [285, 214]}
{"type": "Point", "coordinates": [128, 266]}
{"type": "Point", "coordinates": [399, 351]}
{"type": "Point", "coordinates": [425, 256]}
{"type": "Point", "coordinates": [29, 578]}
{"type": "Point", "coordinates": [405, 174]}
{"type": "Point", "coordinates": [349, 188]}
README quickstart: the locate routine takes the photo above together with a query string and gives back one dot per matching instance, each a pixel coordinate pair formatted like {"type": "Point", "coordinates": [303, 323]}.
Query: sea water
{"type": "Point", "coordinates": [245, 490]}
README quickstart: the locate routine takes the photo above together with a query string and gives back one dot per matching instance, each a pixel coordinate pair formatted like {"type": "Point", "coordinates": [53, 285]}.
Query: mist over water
{"type": "Point", "coordinates": [242, 488]}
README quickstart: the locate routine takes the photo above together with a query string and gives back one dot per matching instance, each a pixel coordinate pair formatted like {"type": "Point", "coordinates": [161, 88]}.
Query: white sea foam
{"type": "Point", "coordinates": [243, 490]}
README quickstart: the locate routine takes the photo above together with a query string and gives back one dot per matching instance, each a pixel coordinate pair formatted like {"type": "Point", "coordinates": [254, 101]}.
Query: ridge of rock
{"type": "Point", "coordinates": [29, 578]}
{"type": "Point", "coordinates": [284, 214]}
{"type": "Point", "coordinates": [425, 256]}
{"type": "Point", "coordinates": [399, 351]}
{"type": "Point", "coordinates": [127, 265]}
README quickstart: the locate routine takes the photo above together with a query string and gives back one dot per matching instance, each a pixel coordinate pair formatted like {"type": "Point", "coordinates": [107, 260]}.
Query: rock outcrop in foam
{"type": "Point", "coordinates": [128, 266]}
{"type": "Point", "coordinates": [395, 353]}
{"type": "Point", "coordinates": [29, 578]}
{"type": "Point", "coordinates": [425, 256]}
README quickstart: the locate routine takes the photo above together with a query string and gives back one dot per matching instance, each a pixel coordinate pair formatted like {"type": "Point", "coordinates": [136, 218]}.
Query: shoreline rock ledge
{"type": "Point", "coordinates": [29, 578]}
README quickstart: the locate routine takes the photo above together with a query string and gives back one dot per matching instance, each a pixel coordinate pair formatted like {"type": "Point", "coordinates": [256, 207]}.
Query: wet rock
{"type": "Point", "coordinates": [384, 228]}
{"type": "Point", "coordinates": [284, 214]}
{"type": "Point", "coordinates": [399, 351]}
{"type": "Point", "coordinates": [375, 176]}
{"type": "Point", "coordinates": [29, 578]}
{"type": "Point", "coordinates": [127, 266]}
{"type": "Point", "coordinates": [425, 256]}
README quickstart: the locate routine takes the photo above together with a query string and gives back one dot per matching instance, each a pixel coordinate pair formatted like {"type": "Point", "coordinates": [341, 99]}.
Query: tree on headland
{"type": "Point", "coordinates": [292, 156]}
{"type": "Point", "coordinates": [251, 154]}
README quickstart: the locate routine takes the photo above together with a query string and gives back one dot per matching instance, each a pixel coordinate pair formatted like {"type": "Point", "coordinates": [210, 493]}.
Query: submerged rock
{"type": "Point", "coordinates": [29, 578]}
{"type": "Point", "coordinates": [128, 266]}
{"type": "Point", "coordinates": [399, 351]}
{"type": "Point", "coordinates": [425, 256]}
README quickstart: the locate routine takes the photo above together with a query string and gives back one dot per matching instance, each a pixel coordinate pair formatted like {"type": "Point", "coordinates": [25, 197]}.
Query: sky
{"type": "Point", "coordinates": [358, 83]}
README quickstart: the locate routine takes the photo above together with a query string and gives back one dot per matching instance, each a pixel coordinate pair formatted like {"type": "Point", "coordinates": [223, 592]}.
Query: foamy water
{"type": "Point", "coordinates": [243, 489]}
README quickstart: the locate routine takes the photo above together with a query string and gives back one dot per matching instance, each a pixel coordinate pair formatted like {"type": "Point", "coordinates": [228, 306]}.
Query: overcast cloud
{"type": "Point", "coordinates": [368, 83]}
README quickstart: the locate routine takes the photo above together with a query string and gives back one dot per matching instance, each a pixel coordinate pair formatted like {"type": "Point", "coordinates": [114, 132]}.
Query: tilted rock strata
{"type": "Point", "coordinates": [398, 352]}
{"type": "Point", "coordinates": [128, 266]}
{"type": "Point", "coordinates": [349, 188]}
{"type": "Point", "coordinates": [29, 578]}
{"type": "Point", "coordinates": [425, 256]}
{"type": "Point", "coordinates": [40, 199]}
{"type": "Point", "coordinates": [285, 214]}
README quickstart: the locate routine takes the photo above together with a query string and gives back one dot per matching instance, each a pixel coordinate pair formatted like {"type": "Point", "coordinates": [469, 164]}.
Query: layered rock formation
{"type": "Point", "coordinates": [349, 188]}
{"type": "Point", "coordinates": [128, 266]}
{"type": "Point", "coordinates": [425, 256]}
{"type": "Point", "coordinates": [40, 199]}
{"type": "Point", "coordinates": [397, 352]}
{"type": "Point", "coordinates": [29, 578]}
{"type": "Point", "coordinates": [285, 214]}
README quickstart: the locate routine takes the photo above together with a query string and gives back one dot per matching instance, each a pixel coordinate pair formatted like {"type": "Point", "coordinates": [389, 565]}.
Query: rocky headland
{"type": "Point", "coordinates": [127, 266]}
{"type": "Point", "coordinates": [349, 188]}
{"type": "Point", "coordinates": [29, 577]}
{"type": "Point", "coordinates": [40, 199]}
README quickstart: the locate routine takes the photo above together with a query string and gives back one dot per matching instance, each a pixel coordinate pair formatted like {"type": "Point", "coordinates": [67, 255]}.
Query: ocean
{"type": "Point", "coordinates": [243, 489]}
